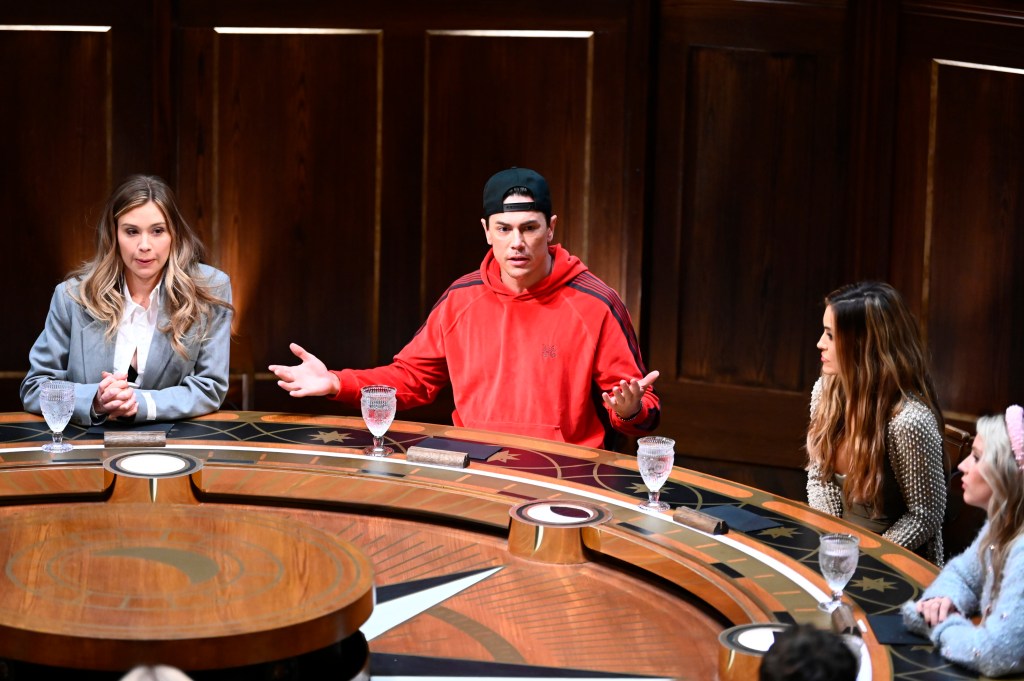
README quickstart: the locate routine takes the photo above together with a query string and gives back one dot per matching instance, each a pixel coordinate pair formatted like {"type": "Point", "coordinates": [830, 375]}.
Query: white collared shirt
{"type": "Point", "coordinates": [135, 335]}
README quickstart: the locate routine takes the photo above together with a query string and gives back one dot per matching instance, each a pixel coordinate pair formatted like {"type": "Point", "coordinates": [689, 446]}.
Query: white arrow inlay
{"type": "Point", "coordinates": [387, 616]}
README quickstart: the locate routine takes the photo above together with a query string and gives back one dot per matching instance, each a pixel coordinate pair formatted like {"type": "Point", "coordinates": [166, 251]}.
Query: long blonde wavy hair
{"type": "Point", "coordinates": [881, 364]}
{"type": "Point", "coordinates": [188, 299]}
{"type": "Point", "coordinates": [1001, 471]}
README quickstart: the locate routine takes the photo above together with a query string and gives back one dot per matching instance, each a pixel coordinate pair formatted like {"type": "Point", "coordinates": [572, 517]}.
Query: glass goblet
{"type": "Point", "coordinates": [57, 402]}
{"type": "Point", "coordinates": [837, 557]}
{"type": "Point", "coordinates": [655, 456]}
{"type": "Point", "coordinates": [378, 404]}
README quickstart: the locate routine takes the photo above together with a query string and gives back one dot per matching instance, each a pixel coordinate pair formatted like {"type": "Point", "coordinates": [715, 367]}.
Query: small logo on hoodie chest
{"type": "Point", "coordinates": [548, 351]}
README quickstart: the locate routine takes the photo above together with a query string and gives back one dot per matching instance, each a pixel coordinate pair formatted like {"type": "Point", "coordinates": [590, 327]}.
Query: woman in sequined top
{"type": "Point", "coordinates": [984, 581]}
{"type": "Point", "coordinates": [874, 442]}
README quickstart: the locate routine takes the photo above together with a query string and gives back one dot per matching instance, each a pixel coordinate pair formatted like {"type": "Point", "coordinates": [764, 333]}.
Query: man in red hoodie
{"type": "Point", "coordinates": [532, 343]}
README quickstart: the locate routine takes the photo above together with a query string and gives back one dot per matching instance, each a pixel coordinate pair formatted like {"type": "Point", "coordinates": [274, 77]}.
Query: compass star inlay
{"type": "Point", "coordinates": [331, 436]}
{"type": "Point", "coordinates": [504, 456]}
{"type": "Point", "coordinates": [869, 584]}
{"type": "Point", "coordinates": [780, 532]}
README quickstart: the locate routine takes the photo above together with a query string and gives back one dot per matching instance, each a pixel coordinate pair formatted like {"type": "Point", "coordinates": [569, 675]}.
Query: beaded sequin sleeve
{"type": "Point", "coordinates": [822, 495]}
{"type": "Point", "coordinates": [914, 451]}
{"type": "Point", "coordinates": [913, 445]}
{"type": "Point", "coordinates": [991, 647]}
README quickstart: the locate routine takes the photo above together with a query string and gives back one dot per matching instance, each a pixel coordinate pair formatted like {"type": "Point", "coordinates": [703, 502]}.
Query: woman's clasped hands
{"type": "Point", "coordinates": [115, 397]}
{"type": "Point", "coordinates": [935, 610]}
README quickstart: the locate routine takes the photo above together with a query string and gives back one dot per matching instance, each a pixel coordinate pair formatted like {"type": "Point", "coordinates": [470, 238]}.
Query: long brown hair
{"type": "Point", "coordinates": [1000, 470]}
{"type": "Point", "coordinates": [188, 298]}
{"type": "Point", "coordinates": [881, 365]}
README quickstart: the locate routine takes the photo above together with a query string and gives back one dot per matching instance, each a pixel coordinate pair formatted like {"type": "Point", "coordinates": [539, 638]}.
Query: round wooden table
{"type": "Point", "coordinates": [105, 586]}
{"type": "Point", "coordinates": [453, 597]}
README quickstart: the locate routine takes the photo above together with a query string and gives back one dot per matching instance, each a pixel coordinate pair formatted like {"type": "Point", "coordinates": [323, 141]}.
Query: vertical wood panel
{"type": "Point", "coordinates": [978, 219]}
{"type": "Point", "coordinates": [874, 27]}
{"type": "Point", "coordinates": [748, 215]}
{"type": "Point", "coordinates": [54, 169]}
{"type": "Point", "coordinates": [752, 220]}
{"type": "Point", "coordinates": [957, 212]}
{"type": "Point", "coordinates": [61, 84]}
{"type": "Point", "coordinates": [495, 101]}
{"type": "Point", "coordinates": [77, 116]}
{"type": "Point", "coordinates": [292, 191]}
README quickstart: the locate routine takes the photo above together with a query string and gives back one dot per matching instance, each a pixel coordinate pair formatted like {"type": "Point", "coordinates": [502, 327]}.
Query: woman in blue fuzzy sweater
{"type": "Point", "coordinates": [973, 610]}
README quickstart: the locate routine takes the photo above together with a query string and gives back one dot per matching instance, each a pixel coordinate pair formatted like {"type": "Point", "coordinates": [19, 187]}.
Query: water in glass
{"type": "Point", "coordinates": [378, 405]}
{"type": "Point", "coordinates": [655, 456]}
{"type": "Point", "coordinates": [837, 558]}
{"type": "Point", "coordinates": [57, 402]}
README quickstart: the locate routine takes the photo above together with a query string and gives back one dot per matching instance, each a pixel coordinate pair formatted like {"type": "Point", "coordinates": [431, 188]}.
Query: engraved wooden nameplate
{"type": "Point", "coordinates": [441, 457]}
{"type": "Point", "coordinates": [136, 438]}
{"type": "Point", "coordinates": [700, 521]}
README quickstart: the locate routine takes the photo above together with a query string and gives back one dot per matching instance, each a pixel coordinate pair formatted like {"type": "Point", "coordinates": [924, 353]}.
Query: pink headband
{"type": "Point", "coordinates": [1015, 429]}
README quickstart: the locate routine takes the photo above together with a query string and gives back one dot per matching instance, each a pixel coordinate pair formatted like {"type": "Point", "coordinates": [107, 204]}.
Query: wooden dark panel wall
{"type": "Point", "coordinates": [724, 164]}
{"type": "Point", "coordinates": [280, 163]}
{"type": "Point", "coordinates": [750, 161]}
{"type": "Point", "coordinates": [959, 199]}
{"type": "Point", "coordinates": [803, 145]}
{"type": "Point", "coordinates": [338, 154]}
{"type": "Point", "coordinates": [80, 106]}
{"type": "Point", "coordinates": [332, 155]}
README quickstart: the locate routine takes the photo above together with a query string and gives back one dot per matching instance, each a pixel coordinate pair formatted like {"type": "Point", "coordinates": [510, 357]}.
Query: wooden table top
{"type": "Point", "coordinates": [206, 587]}
{"type": "Point", "coordinates": [291, 463]}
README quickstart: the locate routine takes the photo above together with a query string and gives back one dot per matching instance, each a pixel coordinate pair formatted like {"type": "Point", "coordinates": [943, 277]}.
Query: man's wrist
{"type": "Point", "coordinates": [630, 418]}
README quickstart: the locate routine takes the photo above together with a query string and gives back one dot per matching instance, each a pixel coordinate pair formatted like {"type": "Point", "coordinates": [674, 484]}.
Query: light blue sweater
{"type": "Point", "coordinates": [995, 646]}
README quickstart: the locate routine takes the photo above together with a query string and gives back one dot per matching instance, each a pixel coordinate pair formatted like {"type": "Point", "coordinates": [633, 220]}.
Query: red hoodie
{"type": "Point", "coordinates": [533, 363]}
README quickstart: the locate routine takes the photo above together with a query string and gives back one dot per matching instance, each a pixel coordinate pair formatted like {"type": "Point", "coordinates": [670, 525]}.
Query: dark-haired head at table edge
{"type": "Point", "coordinates": [143, 329]}
{"type": "Point", "coordinates": [532, 343]}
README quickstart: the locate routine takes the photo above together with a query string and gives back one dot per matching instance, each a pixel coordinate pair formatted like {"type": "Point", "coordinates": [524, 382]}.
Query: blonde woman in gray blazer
{"type": "Point", "coordinates": [143, 329]}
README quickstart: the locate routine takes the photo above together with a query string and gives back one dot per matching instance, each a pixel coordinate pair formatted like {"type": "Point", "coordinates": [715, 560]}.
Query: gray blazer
{"type": "Point", "coordinates": [73, 347]}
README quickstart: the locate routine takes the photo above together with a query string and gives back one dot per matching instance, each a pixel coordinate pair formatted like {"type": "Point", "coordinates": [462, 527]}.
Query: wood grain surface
{"type": "Point", "coordinates": [107, 586]}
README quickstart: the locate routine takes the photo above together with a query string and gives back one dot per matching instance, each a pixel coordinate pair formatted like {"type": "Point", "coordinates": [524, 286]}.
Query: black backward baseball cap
{"type": "Point", "coordinates": [502, 181]}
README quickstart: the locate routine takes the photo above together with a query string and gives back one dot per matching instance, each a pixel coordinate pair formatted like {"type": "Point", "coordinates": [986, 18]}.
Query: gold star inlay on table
{"type": "Point", "coordinates": [330, 436]}
{"type": "Point", "coordinates": [876, 584]}
{"type": "Point", "coordinates": [504, 456]}
{"type": "Point", "coordinates": [780, 532]}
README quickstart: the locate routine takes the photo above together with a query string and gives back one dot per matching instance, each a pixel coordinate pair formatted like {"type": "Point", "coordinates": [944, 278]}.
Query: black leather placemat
{"type": "Point", "coordinates": [476, 451]}
{"type": "Point", "coordinates": [739, 518]}
{"type": "Point", "coordinates": [889, 630]}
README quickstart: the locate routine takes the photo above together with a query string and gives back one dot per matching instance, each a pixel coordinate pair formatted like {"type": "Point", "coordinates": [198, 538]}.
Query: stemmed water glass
{"type": "Point", "coordinates": [655, 456]}
{"type": "Point", "coordinates": [57, 402]}
{"type": "Point", "coordinates": [837, 556]}
{"type": "Point", "coordinates": [378, 404]}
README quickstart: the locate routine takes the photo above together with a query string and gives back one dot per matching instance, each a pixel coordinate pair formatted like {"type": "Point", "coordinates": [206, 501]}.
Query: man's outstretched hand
{"type": "Point", "coordinates": [625, 398]}
{"type": "Point", "coordinates": [311, 377]}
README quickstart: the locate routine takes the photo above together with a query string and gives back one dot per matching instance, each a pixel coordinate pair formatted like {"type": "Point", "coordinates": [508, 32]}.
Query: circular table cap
{"type": "Point", "coordinates": [560, 513]}
{"type": "Point", "coordinates": [146, 463]}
